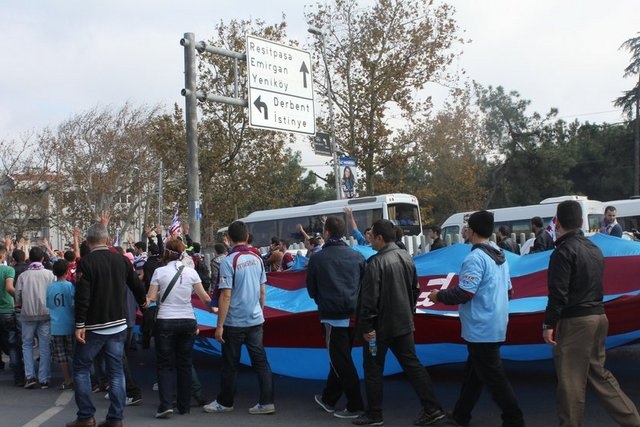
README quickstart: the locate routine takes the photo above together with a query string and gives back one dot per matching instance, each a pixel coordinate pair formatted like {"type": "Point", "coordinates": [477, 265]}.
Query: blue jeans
{"type": "Point", "coordinates": [43, 329]}
{"type": "Point", "coordinates": [112, 347]}
{"type": "Point", "coordinates": [10, 342]}
{"type": "Point", "coordinates": [251, 337]}
{"type": "Point", "coordinates": [174, 343]}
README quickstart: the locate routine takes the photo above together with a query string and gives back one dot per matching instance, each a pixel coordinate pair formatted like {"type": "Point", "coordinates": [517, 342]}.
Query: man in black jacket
{"type": "Point", "coordinates": [575, 312]}
{"type": "Point", "coordinates": [506, 242]}
{"type": "Point", "coordinates": [543, 241]}
{"type": "Point", "coordinates": [385, 316]}
{"type": "Point", "coordinates": [333, 281]}
{"type": "Point", "coordinates": [101, 324]}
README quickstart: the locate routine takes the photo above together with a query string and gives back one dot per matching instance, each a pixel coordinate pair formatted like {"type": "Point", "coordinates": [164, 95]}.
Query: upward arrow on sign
{"type": "Point", "coordinates": [304, 70]}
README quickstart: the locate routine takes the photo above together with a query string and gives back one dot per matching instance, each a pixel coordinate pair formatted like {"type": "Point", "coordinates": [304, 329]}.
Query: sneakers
{"type": "Point", "coordinates": [364, 420]}
{"type": "Point", "coordinates": [426, 419]}
{"type": "Point", "coordinates": [131, 401]}
{"type": "Point", "coordinates": [215, 407]}
{"type": "Point", "coordinates": [65, 386]}
{"type": "Point", "coordinates": [44, 385]}
{"type": "Point", "coordinates": [330, 409]}
{"type": "Point", "coordinates": [164, 414]}
{"type": "Point", "coordinates": [31, 383]}
{"type": "Point", "coordinates": [345, 413]}
{"type": "Point", "coordinates": [259, 409]}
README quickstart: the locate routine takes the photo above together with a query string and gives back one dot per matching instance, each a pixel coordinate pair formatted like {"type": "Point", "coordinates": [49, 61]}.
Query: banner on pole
{"type": "Point", "coordinates": [348, 180]}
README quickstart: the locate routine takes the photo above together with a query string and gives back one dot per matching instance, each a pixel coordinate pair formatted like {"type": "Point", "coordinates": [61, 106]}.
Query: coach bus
{"type": "Point", "coordinates": [402, 209]}
{"type": "Point", "coordinates": [518, 218]}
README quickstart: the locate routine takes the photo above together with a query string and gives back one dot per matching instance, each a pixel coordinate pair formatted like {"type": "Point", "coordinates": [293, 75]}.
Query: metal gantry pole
{"type": "Point", "coordinates": [160, 194]}
{"type": "Point", "coordinates": [191, 118]}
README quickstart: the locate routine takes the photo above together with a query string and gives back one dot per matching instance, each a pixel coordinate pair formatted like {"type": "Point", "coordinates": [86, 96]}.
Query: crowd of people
{"type": "Point", "coordinates": [78, 309]}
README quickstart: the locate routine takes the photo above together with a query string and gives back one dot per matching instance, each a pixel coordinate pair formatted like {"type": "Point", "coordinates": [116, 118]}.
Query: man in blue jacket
{"type": "Point", "coordinates": [483, 299]}
{"type": "Point", "coordinates": [333, 281]}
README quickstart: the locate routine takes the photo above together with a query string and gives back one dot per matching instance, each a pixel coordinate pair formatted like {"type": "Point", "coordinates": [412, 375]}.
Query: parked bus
{"type": "Point", "coordinates": [402, 209]}
{"type": "Point", "coordinates": [519, 217]}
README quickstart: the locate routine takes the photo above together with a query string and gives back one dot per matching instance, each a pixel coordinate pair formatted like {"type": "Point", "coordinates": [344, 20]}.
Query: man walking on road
{"type": "Point", "coordinates": [575, 311]}
{"type": "Point", "coordinates": [483, 304]}
{"type": "Point", "coordinates": [240, 319]}
{"type": "Point", "coordinates": [101, 324]}
{"type": "Point", "coordinates": [385, 317]}
{"type": "Point", "coordinates": [333, 281]}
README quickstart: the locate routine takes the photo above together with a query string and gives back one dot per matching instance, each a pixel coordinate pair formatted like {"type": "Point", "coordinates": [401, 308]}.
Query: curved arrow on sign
{"type": "Point", "coordinates": [259, 105]}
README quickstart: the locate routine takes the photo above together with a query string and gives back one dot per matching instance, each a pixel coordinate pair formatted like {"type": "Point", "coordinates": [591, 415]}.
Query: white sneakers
{"type": "Point", "coordinates": [266, 409]}
{"type": "Point", "coordinates": [215, 407]}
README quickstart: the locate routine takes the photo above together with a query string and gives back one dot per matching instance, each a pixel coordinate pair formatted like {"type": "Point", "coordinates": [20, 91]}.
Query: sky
{"type": "Point", "coordinates": [60, 58]}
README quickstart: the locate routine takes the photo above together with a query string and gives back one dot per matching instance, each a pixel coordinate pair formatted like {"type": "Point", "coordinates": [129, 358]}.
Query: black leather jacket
{"type": "Point", "coordinates": [389, 293]}
{"type": "Point", "coordinates": [574, 279]}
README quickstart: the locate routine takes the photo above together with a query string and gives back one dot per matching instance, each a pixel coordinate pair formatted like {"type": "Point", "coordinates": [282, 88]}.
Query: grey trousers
{"type": "Point", "coordinates": [579, 358]}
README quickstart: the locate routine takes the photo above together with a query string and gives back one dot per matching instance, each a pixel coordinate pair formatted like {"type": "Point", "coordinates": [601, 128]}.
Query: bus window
{"type": "Point", "coordinates": [452, 231]}
{"type": "Point", "coordinates": [262, 232]}
{"type": "Point", "coordinates": [629, 223]}
{"type": "Point", "coordinates": [364, 219]}
{"type": "Point", "coordinates": [595, 221]}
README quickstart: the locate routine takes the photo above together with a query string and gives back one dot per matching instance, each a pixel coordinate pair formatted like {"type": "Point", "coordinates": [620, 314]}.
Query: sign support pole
{"type": "Point", "coordinates": [191, 118]}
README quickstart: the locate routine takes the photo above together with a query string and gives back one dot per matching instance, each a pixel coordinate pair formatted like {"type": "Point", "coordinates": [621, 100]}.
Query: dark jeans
{"type": "Point", "coordinates": [234, 338]}
{"type": "Point", "coordinates": [10, 342]}
{"type": "Point", "coordinates": [404, 348]}
{"type": "Point", "coordinates": [133, 389]}
{"type": "Point", "coordinates": [484, 367]}
{"type": "Point", "coordinates": [343, 376]}
{"type": "Point", "coordinates": [174, 343]}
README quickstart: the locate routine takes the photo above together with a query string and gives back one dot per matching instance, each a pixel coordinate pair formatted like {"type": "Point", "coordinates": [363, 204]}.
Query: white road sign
{"type": "Point", "coordinates": [280, 87]}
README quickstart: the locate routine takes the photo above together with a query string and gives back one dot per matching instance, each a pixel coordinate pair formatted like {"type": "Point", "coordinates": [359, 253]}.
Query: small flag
{"type": "Point", "coordinates": [551, 228]}
{"type": "Point", "coordinates": [117, 241]}
{"type": "Point", "coordinates": [175, 223]}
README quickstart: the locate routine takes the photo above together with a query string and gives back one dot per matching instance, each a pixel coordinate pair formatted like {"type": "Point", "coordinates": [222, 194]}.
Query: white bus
{"type": "Point", "coordinates": [627, 213]}
{"type": "Point", "coordinates": [519, 217]}
{"type": "Point", "coordinates": [402, 209]}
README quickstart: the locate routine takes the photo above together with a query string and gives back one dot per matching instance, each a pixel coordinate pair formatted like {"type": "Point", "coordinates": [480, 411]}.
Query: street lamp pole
{"type": "Point", "coordinates": [332, 135]}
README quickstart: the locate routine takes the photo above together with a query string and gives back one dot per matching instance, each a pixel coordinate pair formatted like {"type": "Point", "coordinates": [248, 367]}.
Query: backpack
{"type": "Point", "coordinates": [203, 271]}
{"type": "Point", "coordinates": [215, 290]}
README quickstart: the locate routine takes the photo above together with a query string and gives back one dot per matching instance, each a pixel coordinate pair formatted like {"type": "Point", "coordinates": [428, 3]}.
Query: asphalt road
{"type": "Point", "coordinates": [534, 384]}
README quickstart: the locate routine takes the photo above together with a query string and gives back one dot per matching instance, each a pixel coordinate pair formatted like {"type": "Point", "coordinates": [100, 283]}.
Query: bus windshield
{"type": "Point", "coordinates": [406, 216]}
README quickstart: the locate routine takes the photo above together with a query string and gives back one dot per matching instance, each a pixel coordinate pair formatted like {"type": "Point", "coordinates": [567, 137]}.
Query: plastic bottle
{"type": "Point", "coordinates": [373, 347]}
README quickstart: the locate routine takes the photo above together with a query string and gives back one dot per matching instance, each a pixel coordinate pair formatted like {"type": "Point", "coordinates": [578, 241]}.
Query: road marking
{"type": "Point", "coordinates": [62, 400]}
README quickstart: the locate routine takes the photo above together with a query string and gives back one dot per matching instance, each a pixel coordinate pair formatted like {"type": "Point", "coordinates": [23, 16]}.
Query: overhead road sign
{"type": "Point", "coordinates": [280, 87]}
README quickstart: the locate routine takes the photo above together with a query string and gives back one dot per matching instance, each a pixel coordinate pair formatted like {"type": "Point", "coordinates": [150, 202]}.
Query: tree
{"type": "Point", "coordinates": [379, 58]}
{"type": "Point", "coordinates": [25, 181]}
{"type": "Point", "coordinates": [603, 169]}
{"type": "Point", "coordinates": [512, 136]}
{"type": "Point", "coordinates": [444, 166]}
{"type": "Point", "coordinates": [103, 161]}
{"type": "Point", "coordinates": [631, 98]}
